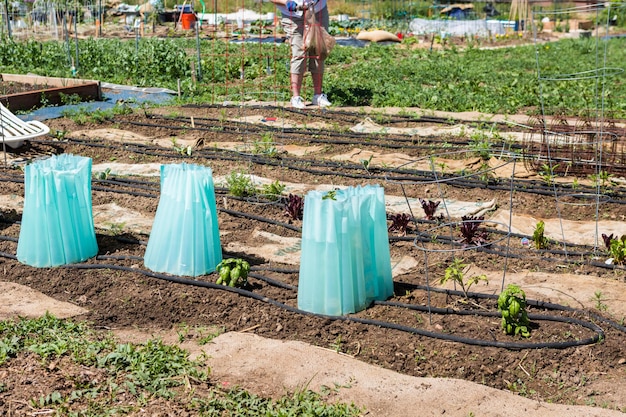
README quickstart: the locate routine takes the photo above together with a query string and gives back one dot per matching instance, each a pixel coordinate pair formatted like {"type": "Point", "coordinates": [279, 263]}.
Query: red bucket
{"type": "Point", "coordinates": [188, 20]}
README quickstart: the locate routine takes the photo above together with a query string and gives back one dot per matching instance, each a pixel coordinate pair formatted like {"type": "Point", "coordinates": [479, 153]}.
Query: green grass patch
{"type": "Point", "coordinates": [125, 377]}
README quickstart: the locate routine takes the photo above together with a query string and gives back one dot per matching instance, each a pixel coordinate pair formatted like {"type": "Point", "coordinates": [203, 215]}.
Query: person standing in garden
{"type": "Point", "coordinates": [293, 21]}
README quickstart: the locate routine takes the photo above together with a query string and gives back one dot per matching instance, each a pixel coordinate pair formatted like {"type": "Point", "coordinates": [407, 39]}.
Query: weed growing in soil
{"type": "Point", "coordinates": [547, 173]}
{"type": "Point", "coordinates": [181, 149]}
{"type": "Point", "coordinates": [480, 144]}
{"type": "Point", "coordinates": [366, 163]}
{"type": "Point", "coordinates": [265, 146]}
{"type": "Point", "coordinates": [134, 375]}
{"type": "Point", "coordinates": [598, 299]}
{"type": "Point", "coordinates": [602, 179]}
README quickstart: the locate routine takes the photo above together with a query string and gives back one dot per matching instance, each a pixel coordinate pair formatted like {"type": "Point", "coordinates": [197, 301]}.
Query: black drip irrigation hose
{"type": "Point", "coordinates": [310, 135]}
{"type": "Point", "coordinates": [382, 140]}
{"type": "Point", "coordinates": [441, 336]}
{"type": "Point", "coordinates": [421, 237]}
{"type": "Point", "coordinates": [414, 177]}
{"type": "Point", "coordinates": [136, 185]}
{"type": "Point", "coordinates": [261, 219]}
{"type": "Point", "coordinates": [351, 117]}
{"type": "Point", "coordinates": [489, 248]}
{"type": "Point", "coordinates": [535, 303]}
{"type": "Point", "coordinates": [273, 282]}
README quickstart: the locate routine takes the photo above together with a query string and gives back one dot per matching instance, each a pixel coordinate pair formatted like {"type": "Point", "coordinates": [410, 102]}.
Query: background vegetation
{"type": "Point", "coordinates": [466, 78]}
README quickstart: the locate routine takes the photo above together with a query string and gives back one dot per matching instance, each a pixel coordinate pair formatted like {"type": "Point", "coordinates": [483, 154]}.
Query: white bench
{"type": "Point", "coordinates": [14, 131]}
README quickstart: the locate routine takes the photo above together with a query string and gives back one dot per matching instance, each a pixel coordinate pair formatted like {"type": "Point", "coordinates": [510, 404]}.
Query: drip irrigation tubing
{"type": "Point", "coordinates": [599, 333]}
{"type": "Point", "coordinates": [311, 135]}
{"type": "Point", "coordinates": [535, 303]}
{"type": "Point", "coordinates": [421, 236]}
{"type": "Point", "coordinates": [491, 249]}
{"type": "Point", "coordinates": [352, 117]}
{"type": "Point", "coordinates": [261, 219]}
{"type": "Point", "coordinates": [419, 176]}
{"type": "Point", "coordinates": [154, 187]}
{"type": "Point", "coordinates": [527, 186]}
{"type": "Point", "coordinates": [383, 140]}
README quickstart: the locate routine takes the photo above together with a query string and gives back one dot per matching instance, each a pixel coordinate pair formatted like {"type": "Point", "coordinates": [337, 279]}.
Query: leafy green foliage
{"type": "Point", "coordinates": [456, 273]}
{"type": "Point", "coordinates": [48, 337]}
{"type": "Point", "coordinates": [330, 195]}
{"type": "Point", "coordinates": [83, 115]}
{"type": "Point", "coordinates": [124, 376]}
{"type": "Point", "coordinates": [480, 143]}
{"type": "Point", "coordinates": [617, 249]}
{"type": "Point", "coordinates": [540, 240]}
{"type": "Point", "coordinates": [273, 191]}
{"type": "Point", "coordinates": [240, 185]}
{"type": "Point", "coordinates": [237, 402]}
{"type": "Point", "coordinates": [497, 81]}
{"type": "Point", "coordinates": [233, 272]}
{"type": "Point", "coordinates": [265, 146]}
{"type": "Point", "coordinates": [512, 307]}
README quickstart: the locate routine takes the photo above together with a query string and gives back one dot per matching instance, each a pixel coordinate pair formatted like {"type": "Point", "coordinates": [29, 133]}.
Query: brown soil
{"type": "Point", "coordinates": [590, 374]}
{"type": "Point", "coordinates": [12, 87]}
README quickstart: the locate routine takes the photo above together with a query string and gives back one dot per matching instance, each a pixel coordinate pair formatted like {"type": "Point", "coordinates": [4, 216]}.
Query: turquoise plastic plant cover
{"type": "Point", "coordinates": [185, 237]}
{"type": "Point", "coordinates": [57, 222]}
{"type": "Point", "coordinates": [345, 261]}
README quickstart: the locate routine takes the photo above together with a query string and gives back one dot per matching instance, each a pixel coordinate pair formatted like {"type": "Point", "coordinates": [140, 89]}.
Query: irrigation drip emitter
{"type": "Point", "coordinates": [598, 332]}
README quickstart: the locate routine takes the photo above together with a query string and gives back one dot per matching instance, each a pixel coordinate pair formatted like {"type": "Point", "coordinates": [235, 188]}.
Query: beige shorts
{"type": "Point", "coordinates": [294, 28]}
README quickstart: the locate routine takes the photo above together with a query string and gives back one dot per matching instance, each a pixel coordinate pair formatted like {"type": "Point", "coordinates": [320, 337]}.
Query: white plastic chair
{"type": "Point", "coordinates": [14, 131]}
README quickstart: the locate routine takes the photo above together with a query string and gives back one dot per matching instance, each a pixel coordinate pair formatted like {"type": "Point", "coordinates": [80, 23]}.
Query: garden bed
{"type": "Point", "coordinates": [412, 337]}
{"type": "Point", "coordinates": [26, 92]}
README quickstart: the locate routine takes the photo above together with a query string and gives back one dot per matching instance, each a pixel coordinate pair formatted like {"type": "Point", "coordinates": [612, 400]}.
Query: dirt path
{"type": "Point", "coordinates": [271, 368]}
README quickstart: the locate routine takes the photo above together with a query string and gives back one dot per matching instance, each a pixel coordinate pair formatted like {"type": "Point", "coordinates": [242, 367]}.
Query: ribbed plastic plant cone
{"type": "Point", "coordinates": [57, 223]}
{"type": "Point", "coordinates": [339, 272]}
{"type": "Point", "coordinates": [369, 217]}
{"type": "Point", "coordinates": [185, 237]}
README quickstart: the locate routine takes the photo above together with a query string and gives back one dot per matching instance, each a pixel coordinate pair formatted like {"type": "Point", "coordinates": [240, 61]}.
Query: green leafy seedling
{"type": "Point", "coordinates": [233, 272]}
{"type": "Point", "coordinates": [273, 191]}
{"type": "Point", "coordinates": [540, 240]}
{"type": "Point", "coordinates": [456, 272]}
{"type": "Point", "coordinates": [240, 185]}
{"type": "Point", "coordinates": [512, 307]}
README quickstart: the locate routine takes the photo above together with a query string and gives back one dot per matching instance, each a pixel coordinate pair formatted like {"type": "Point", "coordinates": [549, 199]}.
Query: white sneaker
{"type": "Point", "coordinates": [297, 102]}
{"type": "Point", "coordinates": [321, 100]}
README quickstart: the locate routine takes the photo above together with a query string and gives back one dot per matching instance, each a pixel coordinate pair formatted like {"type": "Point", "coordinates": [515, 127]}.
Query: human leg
{"type": "Point", "coordinates": [294, 28]}
{"type": "Point", "coordinates": [316, 66]}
